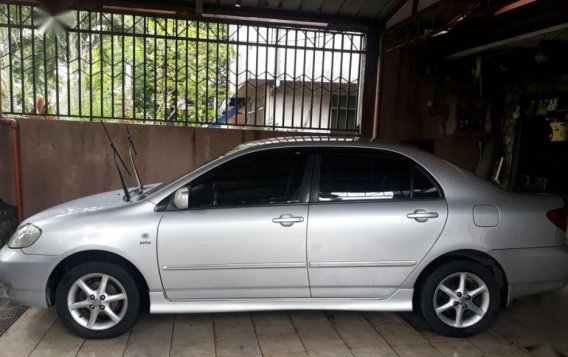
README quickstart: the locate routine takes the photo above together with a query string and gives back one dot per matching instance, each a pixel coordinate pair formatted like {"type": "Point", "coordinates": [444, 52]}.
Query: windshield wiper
{"type": "Point", "coordinates": [131, 148]}
{"type": "Point", "coordinates": [115, 155]}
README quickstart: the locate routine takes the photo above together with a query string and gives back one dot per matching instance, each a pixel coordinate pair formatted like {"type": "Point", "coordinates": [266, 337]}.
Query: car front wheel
{"type": "Point", "coordinates": [459, 299]}
{"type": "Point", "coordinates": [97, 300]}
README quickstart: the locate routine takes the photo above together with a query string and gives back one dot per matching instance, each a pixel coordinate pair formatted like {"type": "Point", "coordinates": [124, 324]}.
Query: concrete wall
{"type": "Point", "coordinates": [63, 160]}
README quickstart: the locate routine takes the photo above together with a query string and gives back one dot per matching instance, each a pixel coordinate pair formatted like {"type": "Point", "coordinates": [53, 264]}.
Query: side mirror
{"type": "Point", "coordinates": [181, 198]}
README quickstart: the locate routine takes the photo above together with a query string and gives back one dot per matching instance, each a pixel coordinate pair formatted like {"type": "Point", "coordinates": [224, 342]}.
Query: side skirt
{"type": "Point", "coordinates": [401, 300]}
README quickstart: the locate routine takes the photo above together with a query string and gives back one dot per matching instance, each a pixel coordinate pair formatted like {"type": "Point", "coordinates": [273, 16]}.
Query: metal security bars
{"type": "Point", "coordinates": [91, 65]}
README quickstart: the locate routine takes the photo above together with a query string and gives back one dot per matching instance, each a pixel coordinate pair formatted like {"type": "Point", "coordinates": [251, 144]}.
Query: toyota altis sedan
{"type": "Point", "coordinates": [293, 224]}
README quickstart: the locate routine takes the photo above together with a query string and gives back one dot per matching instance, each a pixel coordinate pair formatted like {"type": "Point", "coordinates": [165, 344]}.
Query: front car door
{"type": "Point", "coordinates": [244, 234]}
{"type": "Point", "coordinates": [374, 215]}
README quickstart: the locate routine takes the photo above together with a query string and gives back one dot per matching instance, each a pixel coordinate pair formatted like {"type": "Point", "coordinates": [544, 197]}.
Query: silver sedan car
{"type": "Point", "coordinates": [293, 223]}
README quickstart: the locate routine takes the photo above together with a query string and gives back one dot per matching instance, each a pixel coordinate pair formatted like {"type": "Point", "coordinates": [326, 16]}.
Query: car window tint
{"type": "Point", "coordinates": [422, 186]}
{"type": "Point", "coordinates": [274, 179]}
{"type": "Point", "coordinates": [350, 177]}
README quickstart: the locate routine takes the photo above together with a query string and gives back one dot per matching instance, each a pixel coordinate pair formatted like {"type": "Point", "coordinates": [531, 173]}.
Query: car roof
{"type": "Point", "coordinates": [314, 141]}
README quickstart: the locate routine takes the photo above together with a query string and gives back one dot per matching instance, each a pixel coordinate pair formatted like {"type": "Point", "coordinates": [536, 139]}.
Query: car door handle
{"type": "Point", "coordinates": [286, 220]}
{"type": "Point", "coordinates": [421, 215]}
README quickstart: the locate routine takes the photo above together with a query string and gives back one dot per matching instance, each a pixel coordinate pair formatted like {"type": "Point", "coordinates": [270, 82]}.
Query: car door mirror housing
{"type": "Point", "coordinates": [181, 198]}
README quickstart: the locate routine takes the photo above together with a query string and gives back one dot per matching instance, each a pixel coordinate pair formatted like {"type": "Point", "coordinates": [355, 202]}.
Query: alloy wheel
{"type": "Point", "coordinates": [461, 299]}
{"type": "Point", "coordinates": [97, 301]}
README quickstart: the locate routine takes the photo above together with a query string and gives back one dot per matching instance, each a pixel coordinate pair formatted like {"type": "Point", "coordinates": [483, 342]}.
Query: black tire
{"type": "Point", "coordinates": [121, 275]}
{"type": "Point", "coordinates": [425, 299]}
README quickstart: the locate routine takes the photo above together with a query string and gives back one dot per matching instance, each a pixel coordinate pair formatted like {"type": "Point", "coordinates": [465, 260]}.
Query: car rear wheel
{"type": "Point", "coordinates": [97, 300]}
{"type": "Point", "coordinates": [459, 299]}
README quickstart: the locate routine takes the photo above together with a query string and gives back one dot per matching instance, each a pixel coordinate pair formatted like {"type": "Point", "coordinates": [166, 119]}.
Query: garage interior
{"type": "Point", "coordinates": [481, 83]}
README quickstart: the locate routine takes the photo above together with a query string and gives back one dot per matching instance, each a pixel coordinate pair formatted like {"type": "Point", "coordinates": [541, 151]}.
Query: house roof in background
{"type": "Point", "coordinates": [326, 86]}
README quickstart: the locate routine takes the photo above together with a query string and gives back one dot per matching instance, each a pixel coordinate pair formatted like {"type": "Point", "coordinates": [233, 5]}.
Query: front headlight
{"type": "Point", "coordinates": [24, 236]}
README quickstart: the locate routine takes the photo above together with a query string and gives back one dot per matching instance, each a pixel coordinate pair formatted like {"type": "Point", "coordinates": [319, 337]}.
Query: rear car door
{"type": "Point", "coordinates": [244, 234]}
{"type": "Point", "coordinates": [373, 216]}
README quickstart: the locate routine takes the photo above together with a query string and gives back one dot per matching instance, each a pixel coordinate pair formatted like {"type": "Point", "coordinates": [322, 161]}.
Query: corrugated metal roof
{"type": "Point", "coordinates": [342, 13]}
{"type": "Point", "coordinates": [379, 9]}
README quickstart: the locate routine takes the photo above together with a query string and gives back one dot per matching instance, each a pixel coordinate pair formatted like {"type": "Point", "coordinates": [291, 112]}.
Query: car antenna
{"type": "Point", "coordinates": [131, 149]}
{"type": "Point", "coordinates": [115, 155]}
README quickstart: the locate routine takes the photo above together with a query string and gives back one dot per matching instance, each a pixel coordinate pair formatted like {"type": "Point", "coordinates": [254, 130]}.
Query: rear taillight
{"type": "Point", "coordinates": [558, 217]}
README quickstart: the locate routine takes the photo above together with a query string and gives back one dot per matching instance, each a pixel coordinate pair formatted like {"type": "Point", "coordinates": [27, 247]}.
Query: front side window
{"type": "Point", "coordinates": [256, 179]}
{"type": "Point", "coordinates": [367, 176]}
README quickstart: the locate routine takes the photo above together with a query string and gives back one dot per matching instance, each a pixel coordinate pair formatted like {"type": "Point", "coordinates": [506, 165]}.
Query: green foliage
{"type": "Point", "coordinates": [113, 66]}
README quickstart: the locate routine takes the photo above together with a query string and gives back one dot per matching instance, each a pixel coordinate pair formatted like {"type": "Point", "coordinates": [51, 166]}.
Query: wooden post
{"type": "Point", "coordinates": [379, 90]}
{"type": "Point", "coordinates": [370, 81]}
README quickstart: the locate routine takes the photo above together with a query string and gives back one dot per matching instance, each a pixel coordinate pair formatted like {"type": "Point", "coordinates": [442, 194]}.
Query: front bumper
{"type": "Point", "coordinates": [533, 270]}
{"type": "Point", "coordinates": [23, 277]}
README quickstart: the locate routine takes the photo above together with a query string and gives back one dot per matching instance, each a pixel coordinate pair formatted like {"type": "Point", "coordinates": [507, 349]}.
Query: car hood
{"type": "Point", "coordinates": [88, 204]}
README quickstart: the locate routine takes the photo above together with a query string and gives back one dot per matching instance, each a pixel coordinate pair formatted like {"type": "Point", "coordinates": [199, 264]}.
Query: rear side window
{"type": "Point", "coordinates": [369, 177]}
{"type": "Point", "coordinates": [422, 186]}
{"type": "Point", "coordinates": [253, 181]}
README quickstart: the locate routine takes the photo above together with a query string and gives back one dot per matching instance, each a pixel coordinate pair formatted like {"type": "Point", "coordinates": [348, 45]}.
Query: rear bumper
{"type": "Point", "coordinates": [23, 277]}
{"type": "Point", "coordinates": [533, 270]}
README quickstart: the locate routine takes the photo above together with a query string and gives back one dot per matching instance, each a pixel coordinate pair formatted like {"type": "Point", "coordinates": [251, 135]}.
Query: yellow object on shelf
{"type": "Point", "coordinates": [559, 131]}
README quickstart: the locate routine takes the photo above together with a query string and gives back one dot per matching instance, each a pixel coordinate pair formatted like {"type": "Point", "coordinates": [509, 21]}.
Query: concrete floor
{"type": "Point", "coordinates": [535, 325]}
